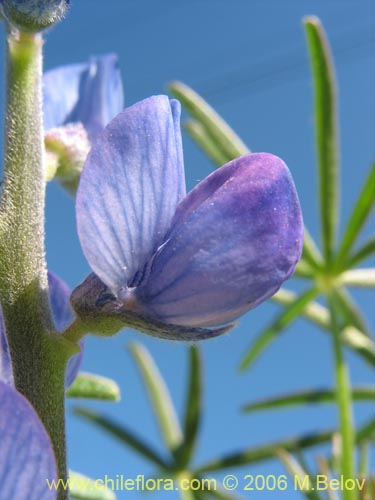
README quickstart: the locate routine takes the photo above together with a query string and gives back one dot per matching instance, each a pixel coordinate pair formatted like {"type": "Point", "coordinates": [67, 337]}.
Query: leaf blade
{"type": "Point", "coordinates": [307, 397]}
{"type": "Point", "coordinates": [88, 385]}
{"type": "Point", "coordinates": [82, 487]}
{"type": "Point", "coordinates": [360, 213]}
{"type": "Point", "coordinates": [326, 129]}
{"type": "Point", "coordinates": [231, 146]}
{"type": "Point", "coordinates": [287, 316]}
{"type": "Point", "coordinates": [159, 395]}
{"type": "Point", "coordinates": [123, 434]}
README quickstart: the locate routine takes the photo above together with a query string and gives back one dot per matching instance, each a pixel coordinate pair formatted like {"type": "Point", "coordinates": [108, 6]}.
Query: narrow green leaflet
{"type": "Point", "coordinates": [326, 130]}
{"type": "Point", "coordinates": [269, 451]}
{"type": "Point", "coordinates": [221, 494]}
{"type": "Point", "coordinates": [88, 385]}
{"type": "Point", "coordinates": [225, 138]}
{"type": "Point", "coordinates": [84, 488]}
{"type": "Point", "coordinates": [359, 278]}
{"type": "Point", "coordinates": [192, 409]}
{"type": "Point", "coordinates": [295, 470]}
{"type": "Point", "coordinates": [350, 311]}
{"type": "Point", "coordinates": [200, 135]}
{"type": "Point", "coordinates": [308, 397]}
{"type": "Point", "coordinates": [289, 314]}
{"type": "Point", "coordinates": [319, 315]}
{"type": "Point", "coordinates": [265, 452]}
{"type": "Point", "coordinates": [362, 209]}
{"type": "Point", "coordinates": [123, 434]}
{"type": "Point", "coordinates": [311, 253]}
{"type": "Point", "coordinates": [364, 252]}
{"type": "Point", "coordinates": [159, 396]}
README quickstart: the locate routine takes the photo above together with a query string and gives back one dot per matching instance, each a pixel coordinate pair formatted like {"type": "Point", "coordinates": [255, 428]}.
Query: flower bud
{"type": "Point", "coordinates": [34, 15]}
{"type": "Point", "coordinates": [66, 151]}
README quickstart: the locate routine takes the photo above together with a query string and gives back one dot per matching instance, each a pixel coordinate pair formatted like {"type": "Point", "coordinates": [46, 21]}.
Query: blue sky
{"type": "Point", "coordinates": [249, 60]}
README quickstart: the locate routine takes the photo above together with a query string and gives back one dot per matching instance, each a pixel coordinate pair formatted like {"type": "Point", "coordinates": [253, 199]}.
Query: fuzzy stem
{"type": "Point", "coordinates": [38, 355]}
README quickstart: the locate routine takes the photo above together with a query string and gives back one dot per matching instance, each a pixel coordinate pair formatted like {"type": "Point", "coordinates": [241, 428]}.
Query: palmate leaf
{"type": "Point", "coordinates": [308, 397]}
{"type": "Point", "coordinates": [289, 314]}
{"type": "Point", "coordinates": [326, 130]}
{"type": "Point", "coordinates": [88, 385]}
{"type": "Point", "coordinates": [84, 488]}
{"type": "Point", "coordinates": [226, 140]}
{"type": "Point", "coordinates": [361, 211]}
{"type": "Point", "coordinates": [159, 395]}
{"type": "Point", "coordinates": [123, 434]}
{"type": "Point", "coordinates": [192, 410]}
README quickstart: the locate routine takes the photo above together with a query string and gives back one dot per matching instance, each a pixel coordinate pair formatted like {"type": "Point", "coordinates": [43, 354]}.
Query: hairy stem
{"type": "Point", "coordinates": [38, 355]}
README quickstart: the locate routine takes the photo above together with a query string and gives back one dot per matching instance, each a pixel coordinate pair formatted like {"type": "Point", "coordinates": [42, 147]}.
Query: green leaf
{"type": "Point", "coordinates": [84, 488]}
{"type": "Point", "coordinates": [358, 277]}
{"type": "Point", "coordinates": [192, 410]}
{"type": "Point", "coordinates": [311, 253]}
{"type": "Point", "coordinates": [308, 397]}
{"type": "Point", "coordinates": [123, 434]}
{"type": "Point", "coordinates": [226, 140]}
{"type": "Point", "coordinates": [295, 469]}
{"type": "Point", "coordinates": [221, 494]}
{"type": "Point", "coordinates": [88, 385]}
{"type": "Point", "coordinates": [200, 135]}
{"type": "Point", "coordinates": [289, 314]}
{"type": "Point", "coordinates": [159, 396]}
{"type": "Point", "coordinates": [359, 342]}
{"type": "Point", "coordinates": [365, 251]}
{"type": "Point", "coordinates": [319, 315]}
{"type": "Point", "coordinates": [326, 130]}
{"type": "Point", "coordinates": [362, 209]}
{"type": "Point", "coordinates": [265, 452]}
{"type": "Point", "coordinates": [350, 311]}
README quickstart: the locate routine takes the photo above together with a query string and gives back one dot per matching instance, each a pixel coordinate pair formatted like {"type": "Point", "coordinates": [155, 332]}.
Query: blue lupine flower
{"type": "Point", "coordinates": [62, 315]}
{"type": "Point", "coordinates": [171, 264]}
{"type": "Point", "coordinates": [34, 15]}
{"type": "Point", "coordinates": [90, 94]}
{"type": "Point", "coordinates": [79, 101]}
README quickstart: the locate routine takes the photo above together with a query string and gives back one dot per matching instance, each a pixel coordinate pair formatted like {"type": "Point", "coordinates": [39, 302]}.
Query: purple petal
{"type": "Point", "coordinates": [91, 94]}
{"type": "Point", "coordinates": [26, 456]}
{"type": "Point", "coordinates": [5, 362]}
{"type": "Point", "coordinates": [61, 93]}
{"type": "Point", "coordinates": [59, 294]}
{"type": "Point", "coordinates": [234, 240]}
{"type": "Point", "coordinates": [130, 185]}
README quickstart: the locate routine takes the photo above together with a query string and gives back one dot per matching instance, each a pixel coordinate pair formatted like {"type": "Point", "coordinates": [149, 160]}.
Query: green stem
{"type": "Point", "coordinates": [344, 402]}
{"type": "Point", "coordinates": [39, 356]}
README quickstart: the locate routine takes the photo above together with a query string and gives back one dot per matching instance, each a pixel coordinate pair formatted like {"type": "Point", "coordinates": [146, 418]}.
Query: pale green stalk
{"type": "Point", "coordinates": [39, 356]}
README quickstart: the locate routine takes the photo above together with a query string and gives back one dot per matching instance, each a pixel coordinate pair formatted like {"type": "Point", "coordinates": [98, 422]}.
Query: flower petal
{"type": "Point", "coordinates": [88, 93]}
{"type": "Point", "coordinates": [26, 456]}
{"type": "Point", "coordinates": [131, 183]}
{"type": "Point", "coordinates": [99, 309]}
{"type": "Point", "coordinates": [61, 93]}
{"type": "Point", "coordinates": [234, 239]}
{"type": "Point", "coordinates": [59, 294]}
